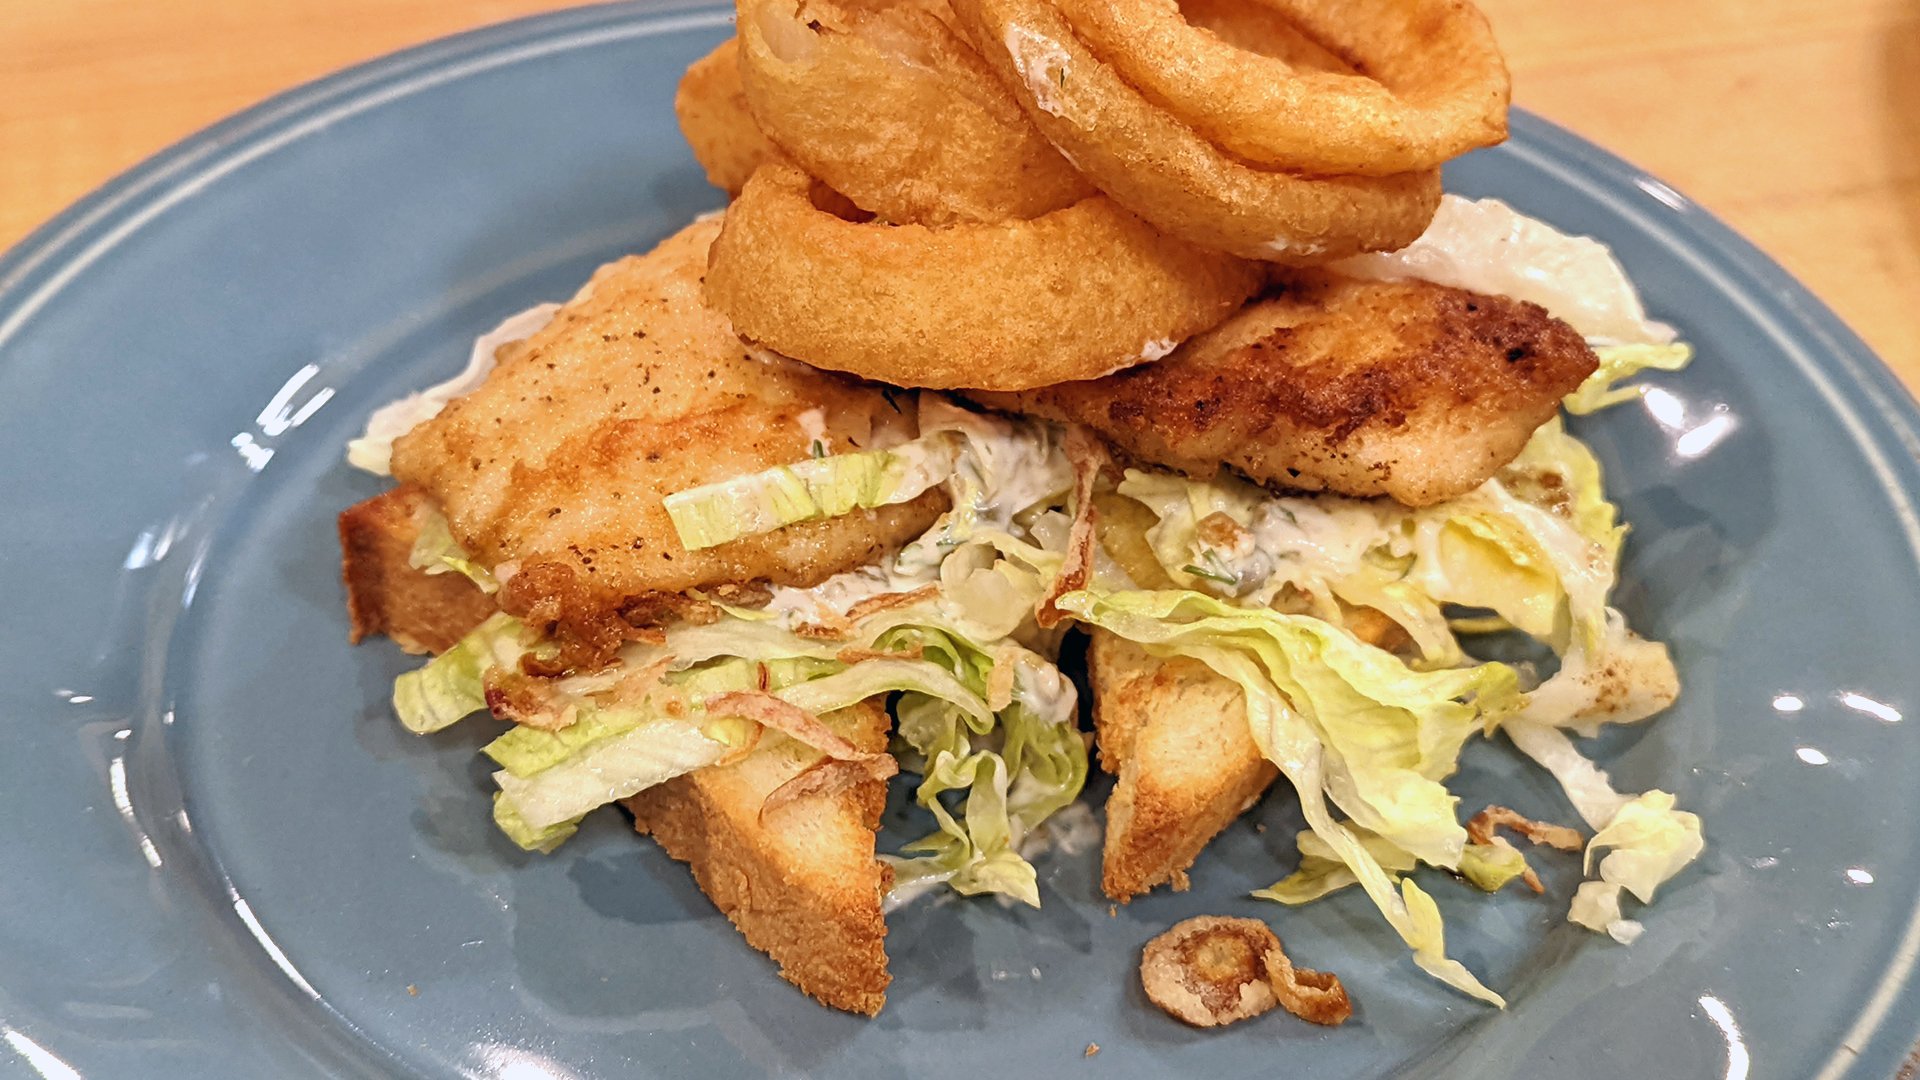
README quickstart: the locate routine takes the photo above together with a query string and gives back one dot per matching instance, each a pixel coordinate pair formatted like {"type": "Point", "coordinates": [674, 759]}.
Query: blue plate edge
{"type": "Point", "coordinates": [30, 265]}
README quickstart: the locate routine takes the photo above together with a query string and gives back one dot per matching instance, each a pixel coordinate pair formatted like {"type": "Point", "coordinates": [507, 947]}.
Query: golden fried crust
{"type": "Point", "coordinates": [1175, 734]}
{"type": "Point", "coordinates": [385, 594]}
{"type": "Point", "coordinates": [711, 106]}
{"type": "Point", "coordinates": [803, 886]}
{"type": "Point", "coordinates": [1401, 388]}
{"type": "Point", "coordinates": [557, 465]}
{"type": "Point", "coordinates": [1071, 294]}
{"type": "Point", "coordinates": [1261, 29]}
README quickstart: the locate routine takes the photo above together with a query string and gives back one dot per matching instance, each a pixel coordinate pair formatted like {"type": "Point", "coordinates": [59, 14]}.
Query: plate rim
{"type": "Point", "coordinates": [1881, 412]}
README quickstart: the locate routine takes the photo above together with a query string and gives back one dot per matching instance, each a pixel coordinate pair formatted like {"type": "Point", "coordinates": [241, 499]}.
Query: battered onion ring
{"type": "Point", "coordinates": [712, 110]}
{"type": "Point", "coordinates": [891, 108]}
{"type": "Point", "coordinates": [1434, 87]}
{"type": "Point", "coordinates": [1069, 295]}
{"type": "Point", "coordinates": [1255, 27]}
{"type": "Point", "coordinates": [1166, 172]}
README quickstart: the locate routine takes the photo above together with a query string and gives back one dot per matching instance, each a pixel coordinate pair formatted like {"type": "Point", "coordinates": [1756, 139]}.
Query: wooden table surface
{"type": "Point", "coordinates": [1797, 120]}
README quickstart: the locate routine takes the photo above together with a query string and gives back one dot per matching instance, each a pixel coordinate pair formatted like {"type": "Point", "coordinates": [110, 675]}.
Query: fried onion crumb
{"type": "Point", "coordinates": [1210, 970]}
{"type": "Point", "coordinates": [1318, 997]}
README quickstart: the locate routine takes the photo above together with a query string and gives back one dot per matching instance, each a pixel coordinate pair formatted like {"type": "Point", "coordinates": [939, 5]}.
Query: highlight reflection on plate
{"type": "Point", "coordinates": [222, 857]}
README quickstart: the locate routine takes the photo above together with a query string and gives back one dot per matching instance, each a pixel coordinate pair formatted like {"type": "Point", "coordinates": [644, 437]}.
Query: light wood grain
{"type": "Point", "coordinates": [1797, 120]}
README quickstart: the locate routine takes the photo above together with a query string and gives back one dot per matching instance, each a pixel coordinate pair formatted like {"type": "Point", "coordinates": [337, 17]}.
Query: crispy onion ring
{"type": "Point", "coordinates": [1166, 172]}
{"type": "Point", "coordinates": [712, 110]}
{"type": "Point", "coordinates": [891, 108]}
{"type": "Point", "coordinates": [1255, 27]}
{"type": "Point", "coordinates": [1434, 86]}
{"type": "Point", "coordinates": [1072, 294]}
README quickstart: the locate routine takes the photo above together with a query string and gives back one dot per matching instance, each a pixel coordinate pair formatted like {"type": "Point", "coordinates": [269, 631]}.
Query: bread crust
{"type": "Point", "coordinates": [1175, 735]}
{"type": "Point", "coordinates": [423, 613]}
{"type": "Point", "coordinates": [803, 886]}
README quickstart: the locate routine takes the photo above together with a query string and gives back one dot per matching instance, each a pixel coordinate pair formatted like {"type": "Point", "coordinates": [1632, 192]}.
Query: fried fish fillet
{"type": "Point", "coordinates": [1401, 388]}
{"type": "Point", "coordinates": [553, 472]}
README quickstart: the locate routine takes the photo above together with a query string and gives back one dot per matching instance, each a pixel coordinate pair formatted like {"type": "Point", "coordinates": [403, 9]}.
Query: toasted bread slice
{"type": "Point", "coordinates": [386, 594]}
{"type": "Point", "coordinates": [802, 885]}
{"type": "Point", "coordinates": [1175, 735]}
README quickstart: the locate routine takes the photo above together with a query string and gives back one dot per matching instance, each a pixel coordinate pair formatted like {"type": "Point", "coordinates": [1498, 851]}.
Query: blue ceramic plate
{"type": "Point", "coordinates": [219, 856]}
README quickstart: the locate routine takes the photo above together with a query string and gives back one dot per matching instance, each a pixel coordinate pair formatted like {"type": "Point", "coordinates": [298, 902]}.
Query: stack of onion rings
{"type": "Point", "coordinates": [887, 105]}
{"type": "Point", "coordinates": [1072, 294]}
{"type": "Point", "coordinates": [1004, 194]}
{"type": "Point", "coordinates": [1159, 166]}
{"type": "Point", "coordinates": [1435, 85]}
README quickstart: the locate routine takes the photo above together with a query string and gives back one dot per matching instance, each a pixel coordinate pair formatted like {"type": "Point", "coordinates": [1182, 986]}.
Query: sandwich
{"type": "Point", "coordinates": [738, 593]}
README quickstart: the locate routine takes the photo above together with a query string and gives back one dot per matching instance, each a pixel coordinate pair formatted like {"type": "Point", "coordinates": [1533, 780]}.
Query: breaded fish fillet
{"type": "Point", "coordinates": [1401, 388]}
{"type": "Point", "coordinates": [552, 472]}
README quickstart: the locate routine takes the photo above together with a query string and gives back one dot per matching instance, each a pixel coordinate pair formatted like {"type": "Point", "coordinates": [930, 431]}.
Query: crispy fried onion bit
{"type": "Point", "coordinates": [1088, 455]}
{"type": "Point", "coordinates": [1480, 830]}
{"type": "Point", "coordinates": [1212, 970]}
{"type": "Point", "coordinates": [840, 627]}
{"type": "Point", "coordinates": [844, 765]}
{"type": "Point", "coordinates": [534, 700]}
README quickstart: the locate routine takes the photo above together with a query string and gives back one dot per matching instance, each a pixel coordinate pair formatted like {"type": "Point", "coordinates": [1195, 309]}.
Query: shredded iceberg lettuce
{"type": "Point", "coordinates": [1346, 723]}
{"type": "Point", "coordinates": [1007, 740]}
{"type": "Point", "coordinates": [1322, 870]}
{"type": "Point", "coordinates": [610, 769]}
{"type": "Point", "coordinates": [1490, 867]}
{"type": "Point", "coordinates": [1537, 547]}
{"type": "Point", "coordinates": [451, 686]}
{"type": "Point", "coordinates": [529, 838]}
{"type": "Point", "coordinates": [1488, 247]}
{"type": "Point", "coordinates": [1016, 766]}
{"type": "Point", "coordinates": [1619, 363]}
{"type": "Point", "coordinates": [1651, 840]}
{"type": "Point", "coordinates": [820, 487]}
{"type": "Point", "coordinates": [435, 551]}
